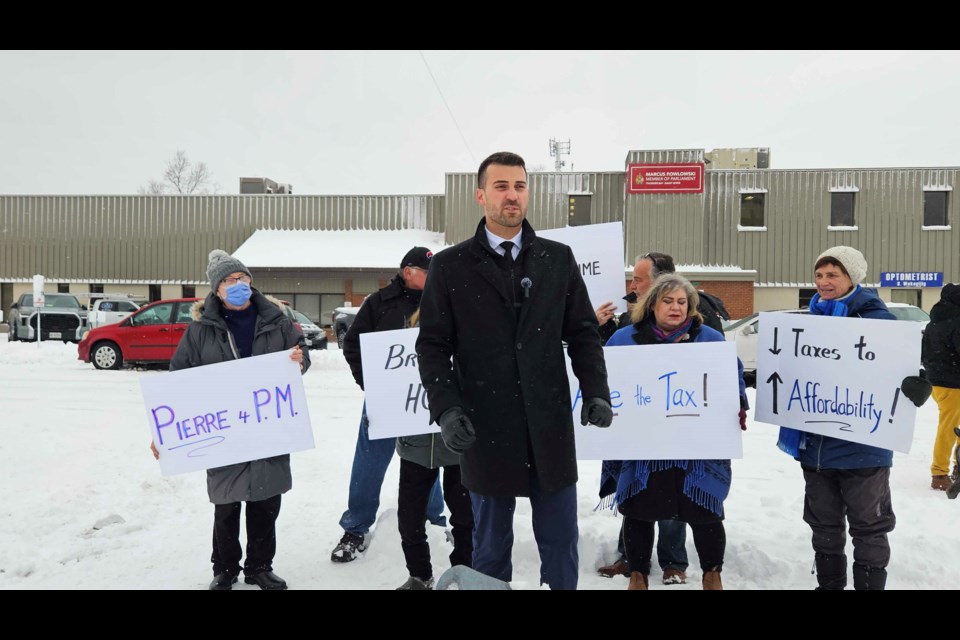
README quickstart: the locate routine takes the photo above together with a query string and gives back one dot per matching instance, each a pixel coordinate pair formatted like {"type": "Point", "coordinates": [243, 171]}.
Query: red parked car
{"type": "Point", "coordinates": [149, 335]}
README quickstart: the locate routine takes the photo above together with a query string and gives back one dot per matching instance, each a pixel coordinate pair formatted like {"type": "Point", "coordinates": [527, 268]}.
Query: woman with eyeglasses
{"type": "Point", "coordinates": [237, 321]}
{"type": "Point", "coordinates": [691, 491]}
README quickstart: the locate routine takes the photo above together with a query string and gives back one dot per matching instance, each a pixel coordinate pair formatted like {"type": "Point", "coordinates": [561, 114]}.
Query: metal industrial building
{"type": "Point", "coordinates": [744, 231]}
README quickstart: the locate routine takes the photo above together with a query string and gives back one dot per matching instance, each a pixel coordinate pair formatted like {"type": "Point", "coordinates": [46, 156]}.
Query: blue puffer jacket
{"type": "Point", "coordinates": [824, 452]}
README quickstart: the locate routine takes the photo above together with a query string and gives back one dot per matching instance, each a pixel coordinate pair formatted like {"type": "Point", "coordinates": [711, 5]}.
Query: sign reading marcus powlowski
{"type": "Point", "coordinates": [838, 377]}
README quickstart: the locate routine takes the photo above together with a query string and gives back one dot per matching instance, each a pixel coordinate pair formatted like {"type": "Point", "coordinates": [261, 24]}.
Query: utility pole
{"type": "Point", "coordinates": [558, 149]}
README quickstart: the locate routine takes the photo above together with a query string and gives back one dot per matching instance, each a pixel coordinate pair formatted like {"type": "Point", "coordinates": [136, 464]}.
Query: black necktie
{"type": "Point", "coordinates": [507, 246]}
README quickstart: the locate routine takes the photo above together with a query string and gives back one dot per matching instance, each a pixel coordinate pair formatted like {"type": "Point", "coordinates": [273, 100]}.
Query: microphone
{"type": "Point", "coordinates": [527, 284]}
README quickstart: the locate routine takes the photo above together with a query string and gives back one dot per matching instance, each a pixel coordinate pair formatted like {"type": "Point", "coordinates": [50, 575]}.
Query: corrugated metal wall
{"type": "Point", "coordinates": [169, 237]}
{"type": "Point", "coordinates": [888, 210]}
{"type": "Point", "coordinates": [672, 223]}
{"type": "Point", "coordinates": [548, 206]}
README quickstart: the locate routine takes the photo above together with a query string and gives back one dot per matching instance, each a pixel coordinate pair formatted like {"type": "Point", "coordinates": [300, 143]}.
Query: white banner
{"type": "Point", "coordinates": [230, 412]}
{"type": "Point", "coordinates": [838, 377]}
{"type": "Point", "coordinates": [675, 401]}
{"type": "Point", "coordinates": [598, 249]}
{"type": "Point", "coordinates": [396, 400]}
{"type": "Point", "coordinates": [669, 401]}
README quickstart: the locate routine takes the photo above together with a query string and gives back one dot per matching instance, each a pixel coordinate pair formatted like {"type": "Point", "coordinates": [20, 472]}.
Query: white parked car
{"type": "Point", "coordinates": [110, 311]}
{"type": "Point", "coordinates": [745, 333]}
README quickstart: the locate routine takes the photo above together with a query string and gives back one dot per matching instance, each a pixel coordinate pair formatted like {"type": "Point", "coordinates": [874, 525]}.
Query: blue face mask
{"type": "Point", "coordinates": [238, 294]}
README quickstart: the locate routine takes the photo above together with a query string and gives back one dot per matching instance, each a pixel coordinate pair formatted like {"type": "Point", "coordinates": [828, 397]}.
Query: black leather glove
{"type": "Point", "coordinates": [597, 412]}
{"type": "Point", "coordinates": [456, 430]}
{"type": "Point", "coordinates": [917, 388]}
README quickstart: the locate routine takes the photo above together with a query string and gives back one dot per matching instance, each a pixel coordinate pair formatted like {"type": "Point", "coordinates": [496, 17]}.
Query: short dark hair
{"type": "Point", "coordinates": [662, 263]}
{"type": "Point", "coordinates": [500, 157]}
{"type": "Point", "coordinates": [825, 260]}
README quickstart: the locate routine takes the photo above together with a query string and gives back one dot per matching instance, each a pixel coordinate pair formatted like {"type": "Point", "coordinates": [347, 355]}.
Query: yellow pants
{"type": "Point", "coordinates": [949, 402]}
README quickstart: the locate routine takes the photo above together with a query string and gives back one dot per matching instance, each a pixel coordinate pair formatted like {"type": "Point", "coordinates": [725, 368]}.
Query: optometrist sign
{"type": "Point", "coordinates": [838, 377]}
{"type": "Point", "coordinates": [911, 279]}
{"type": "Point", "coordinates": [230, 412]}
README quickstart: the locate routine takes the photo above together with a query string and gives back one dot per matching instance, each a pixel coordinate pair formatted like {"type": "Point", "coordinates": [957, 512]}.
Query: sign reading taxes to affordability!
{"type": "Point", "coordinates": [396, 400]}
{"type": "Point", "coordinates": [838, 377]}
{"type": "Point", "coordinates": [598, 249]}
{"type": "Point", "coordinates": [674, 401]}
{"type": "Point", "coordinates": [230, 412]}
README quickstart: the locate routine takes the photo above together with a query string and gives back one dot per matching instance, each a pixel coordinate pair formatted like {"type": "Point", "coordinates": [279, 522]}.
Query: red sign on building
{"type": "Point", "coordinates": [684, 177]}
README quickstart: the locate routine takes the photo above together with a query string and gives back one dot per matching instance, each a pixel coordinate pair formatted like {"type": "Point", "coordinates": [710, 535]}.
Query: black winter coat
{"type": "Point", "coordinates": [941, 340]}
{"type": "Point", "coordinates": [507, 370]}
{"type": "Point", "coordinates": [388, 309]}
{"type": "Point", "coordinates": [209, 341]}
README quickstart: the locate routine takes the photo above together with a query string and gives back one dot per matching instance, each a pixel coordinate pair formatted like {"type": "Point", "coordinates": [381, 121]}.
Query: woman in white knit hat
{"type": "Point", "coordinates": [847, 482]}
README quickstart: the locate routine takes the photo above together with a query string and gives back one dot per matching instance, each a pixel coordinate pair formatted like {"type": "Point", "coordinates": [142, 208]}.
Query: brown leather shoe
{"type": "Point", "coordinates": [674, 576]}
{"type": "Point", "coordinates": [711, 580]}
{"type": "Point", "coordinates": [618, 568]}
{"type": "Point", "coordinates": [940, 483]}
{"type": "Point", "coordinates": [638, 582]}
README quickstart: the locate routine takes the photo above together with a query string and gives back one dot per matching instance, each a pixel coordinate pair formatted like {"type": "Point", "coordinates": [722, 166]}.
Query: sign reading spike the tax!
{"type": "Point", "coordinates": [229, 412]}
{"type": "Point", "coordinates": [838, 377]}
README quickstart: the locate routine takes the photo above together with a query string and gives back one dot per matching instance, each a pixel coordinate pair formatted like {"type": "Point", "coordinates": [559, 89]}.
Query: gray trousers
{"type": "Point", "coordinates": [862, 497]}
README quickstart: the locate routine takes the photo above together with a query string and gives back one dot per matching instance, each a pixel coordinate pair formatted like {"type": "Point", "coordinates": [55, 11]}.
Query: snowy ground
{"type": "Point", "coordinates": [74, 452]}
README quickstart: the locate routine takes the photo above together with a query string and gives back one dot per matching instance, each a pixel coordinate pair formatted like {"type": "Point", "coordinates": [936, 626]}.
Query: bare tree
{"type": "Point", "coordinates": [182, 177]}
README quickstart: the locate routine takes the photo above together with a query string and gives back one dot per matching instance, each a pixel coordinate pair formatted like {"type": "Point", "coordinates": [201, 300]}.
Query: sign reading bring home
{"type": "Point", "coordinates": [229, 412]}
{"type": "Point", "coordinates": [598, 249]}
{"type": "Point", "coordinates": [395, 397]}
{"type": "Point", "coordinates": [838, 377]}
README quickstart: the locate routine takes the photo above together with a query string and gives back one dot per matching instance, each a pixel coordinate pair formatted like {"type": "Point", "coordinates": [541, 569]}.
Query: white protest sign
{"type": "Point", "coordinates": [39, 301]}
{"type": "Point", "coordinates": [229, 412]}
{"type": "Point", "coordinates": [673, 401]}
{"type": "Point", "coordinates": [598, 249]}
{"type": "Point", "coordinates": [396, 400]}
{"type": "Point", "coordinates": [838, 377]}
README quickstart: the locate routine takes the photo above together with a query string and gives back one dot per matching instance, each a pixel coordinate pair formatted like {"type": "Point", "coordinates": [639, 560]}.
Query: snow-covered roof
{"type": "Point", "coordinates": [333, 249]}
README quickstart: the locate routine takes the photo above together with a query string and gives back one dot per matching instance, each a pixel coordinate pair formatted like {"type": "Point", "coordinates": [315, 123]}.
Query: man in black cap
{"type": "Point", "coordinates": [388, 309]}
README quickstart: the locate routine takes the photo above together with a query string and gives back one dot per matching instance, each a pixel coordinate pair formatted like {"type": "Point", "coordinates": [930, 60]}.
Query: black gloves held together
{"type": "Point", "coordinates": [917, 388]}
{"type": "Point", "coordinates": [456, 430]}
{"type": "Point", "coordinates": [597, 412]}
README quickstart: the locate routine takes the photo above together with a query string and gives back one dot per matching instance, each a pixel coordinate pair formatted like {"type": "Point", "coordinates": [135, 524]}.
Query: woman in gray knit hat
{"type": "Point", "coordinates": [237, 321]}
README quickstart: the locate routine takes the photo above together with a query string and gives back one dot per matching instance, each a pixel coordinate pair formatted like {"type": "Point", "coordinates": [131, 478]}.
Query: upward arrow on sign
{"type": "Point", "coordinates": [775, 378]}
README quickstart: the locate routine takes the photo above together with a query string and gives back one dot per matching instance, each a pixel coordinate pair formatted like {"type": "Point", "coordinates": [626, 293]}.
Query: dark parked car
{"type": "Point", "coordinates": [149, 335]}
{"type": "Point", "coordinates": [342, 318]}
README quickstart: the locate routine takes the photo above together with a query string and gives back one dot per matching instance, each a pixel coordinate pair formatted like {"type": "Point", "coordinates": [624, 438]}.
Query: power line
{"type": "Point", "coordinates": [449, 110]}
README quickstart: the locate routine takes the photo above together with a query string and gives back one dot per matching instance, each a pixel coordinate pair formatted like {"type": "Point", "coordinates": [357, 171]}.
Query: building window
{"type": "Point", "coordinates": [189, 291]}
{"type": "Point", "coordinates": [806, 295]}
{"type": "Point", "coordinates": [935, 208]}
{"type": "Point", "coordinates": [154, 292]}
{"type": "Point", "coordinates": [63, 287]}
{"type": "Point", "coordinates": [841, 209]}
{"type": "Point", "coordinates": [96, 288]}
{"type": "Point", "coordinates": [751, 209]}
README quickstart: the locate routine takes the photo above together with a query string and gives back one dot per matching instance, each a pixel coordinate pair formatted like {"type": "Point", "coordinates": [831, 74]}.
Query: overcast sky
{"type": "Point", "coordinates": [377, 122]}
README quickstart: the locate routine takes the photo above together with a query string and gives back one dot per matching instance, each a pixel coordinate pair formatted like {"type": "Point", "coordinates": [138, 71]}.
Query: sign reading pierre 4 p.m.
{"type": "Point", "coordinates": [900, 279]}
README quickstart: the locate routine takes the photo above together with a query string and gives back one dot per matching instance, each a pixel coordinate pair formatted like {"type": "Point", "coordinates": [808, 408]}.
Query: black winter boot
{"type": "Point", "coordinates": [831, 572]}
{"type": "Point", "coordinates": [869, 578]}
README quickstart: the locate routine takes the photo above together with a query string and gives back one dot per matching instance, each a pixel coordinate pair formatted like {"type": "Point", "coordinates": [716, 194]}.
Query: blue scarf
{"type": "Point", "coordinates": [792, 441]}
{"type": "Point", "coordinates": [706, 482]}
{"type": "Point", "coordinates": [836, 307]}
